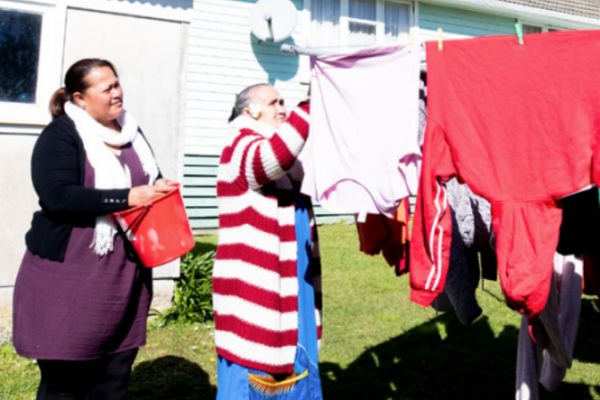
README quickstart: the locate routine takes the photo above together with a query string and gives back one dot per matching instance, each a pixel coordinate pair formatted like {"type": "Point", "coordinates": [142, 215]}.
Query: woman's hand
{"type": "Point", "coordinates": [141, 195]}
{"type": "Point", "coordinates": [307, 98]}
{"type": "Point", "coordinates": [163, 182]}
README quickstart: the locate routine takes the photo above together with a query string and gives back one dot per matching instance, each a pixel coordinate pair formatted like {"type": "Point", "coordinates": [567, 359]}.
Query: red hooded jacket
{"type": "Point", "coordinates": [518, 124]}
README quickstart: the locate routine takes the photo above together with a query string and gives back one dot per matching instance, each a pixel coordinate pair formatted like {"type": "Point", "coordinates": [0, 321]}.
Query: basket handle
{"type": "Point", "coordinates": [143, 212]}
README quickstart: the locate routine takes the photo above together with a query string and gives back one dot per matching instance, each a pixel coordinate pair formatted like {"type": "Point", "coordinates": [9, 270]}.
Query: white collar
{"type": "Point", "coordinates": [247, 122]}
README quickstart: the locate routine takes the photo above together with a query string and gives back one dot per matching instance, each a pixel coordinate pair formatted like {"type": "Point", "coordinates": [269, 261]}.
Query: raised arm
{"type": "Point", "coordinates": [258, 159]}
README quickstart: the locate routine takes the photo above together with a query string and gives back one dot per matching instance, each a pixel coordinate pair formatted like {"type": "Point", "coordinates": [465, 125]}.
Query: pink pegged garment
{"type": "Point", "coordinates": [363, 154]}
{"type": "Point", "coordinates": [521, 126]}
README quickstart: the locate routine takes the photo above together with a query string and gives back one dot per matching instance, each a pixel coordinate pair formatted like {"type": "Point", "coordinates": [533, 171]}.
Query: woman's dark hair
{"type": "Point", "coordinates": [75, 82]}
{"type": "Point", "coordinates": [243, 100]}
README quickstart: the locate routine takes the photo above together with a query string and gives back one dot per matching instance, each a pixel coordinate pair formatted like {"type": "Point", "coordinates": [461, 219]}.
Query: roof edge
{"type": "Point", "coordinates": [133, 8]}
{"type": "Point", "coordinates": [523, 12]}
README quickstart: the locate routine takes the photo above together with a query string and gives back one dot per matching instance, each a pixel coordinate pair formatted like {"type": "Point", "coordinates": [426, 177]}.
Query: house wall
{"type": "Point", "coordinates": [460, 23]}
{"type": "Point", "coordinates": [224, 58]}
{"type": "Point", "coordinates": [19, 202]}
{"type": "Point", "coordinates": [148, 44]}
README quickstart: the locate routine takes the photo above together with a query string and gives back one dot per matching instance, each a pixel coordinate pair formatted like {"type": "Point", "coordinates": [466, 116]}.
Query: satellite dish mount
{"type": "Point", "coordinates": [273, 20]}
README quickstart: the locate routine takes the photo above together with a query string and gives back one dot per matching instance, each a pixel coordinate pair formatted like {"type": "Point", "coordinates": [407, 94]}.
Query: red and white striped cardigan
{"type": "Point", "coordinates": [255, 283]}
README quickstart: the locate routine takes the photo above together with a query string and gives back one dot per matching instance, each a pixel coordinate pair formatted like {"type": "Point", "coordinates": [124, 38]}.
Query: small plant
{"type": "Point", "coordinates": [192, 300]}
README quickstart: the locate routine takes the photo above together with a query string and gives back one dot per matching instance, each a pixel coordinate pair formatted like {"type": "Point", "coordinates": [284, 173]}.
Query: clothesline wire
{"type": "Point", "coordinates": [334, 47]}
{"type": "Point", "coordinates": [319, 51]}
{"type": "Point", "coordinates": [331, 48]}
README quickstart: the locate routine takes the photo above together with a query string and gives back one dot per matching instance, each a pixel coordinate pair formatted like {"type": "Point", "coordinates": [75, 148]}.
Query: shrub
{"type": "Point", "coordinates": [192, 300]}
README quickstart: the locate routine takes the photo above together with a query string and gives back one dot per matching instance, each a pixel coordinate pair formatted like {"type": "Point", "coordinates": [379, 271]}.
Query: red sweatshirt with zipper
{"type": "Point", "coordinates": [520, 125]}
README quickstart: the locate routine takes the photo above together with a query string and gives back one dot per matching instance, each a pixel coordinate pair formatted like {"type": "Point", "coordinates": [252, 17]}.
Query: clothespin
{"type": "Point", "coordinates": [362, 217]}
{"type": "Point", "coordinates": [411, 39]}
{"type": "Point", "coordinates": [519, 33]}
{"type": "Point", "coordinates": [440, 39]}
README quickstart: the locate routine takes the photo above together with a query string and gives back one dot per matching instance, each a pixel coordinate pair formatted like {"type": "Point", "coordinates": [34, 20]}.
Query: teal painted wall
{"type": "Point", "coordinates": [463, 22]}
{"type": "Point", "coordinates": [200, 192]}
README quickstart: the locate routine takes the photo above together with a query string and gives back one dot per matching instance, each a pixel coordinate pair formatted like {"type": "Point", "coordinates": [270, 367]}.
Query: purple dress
{"type": "Point", "coordinates": [86, 306]}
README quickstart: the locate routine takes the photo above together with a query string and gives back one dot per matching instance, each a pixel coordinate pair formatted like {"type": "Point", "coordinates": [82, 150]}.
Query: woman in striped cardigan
{"type": "Point", "coordinates": [266, 279]}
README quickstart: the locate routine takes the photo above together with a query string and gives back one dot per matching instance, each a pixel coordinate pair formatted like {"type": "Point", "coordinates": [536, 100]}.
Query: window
{"type": "Point", "coordinates": [355, 23]}
{"type": "Point", "coordinates": [20, 35]}
{"type": "Point", "coordinates": [532, 28]}
{"type": "Point", "coordinates": [31, 42]}
{"type": "Point", "coordinates": [527, 29]}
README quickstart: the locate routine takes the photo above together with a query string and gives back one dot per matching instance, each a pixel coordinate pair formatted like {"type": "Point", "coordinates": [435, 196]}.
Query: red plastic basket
{"type": "Point", "coordinates": [158, 231]}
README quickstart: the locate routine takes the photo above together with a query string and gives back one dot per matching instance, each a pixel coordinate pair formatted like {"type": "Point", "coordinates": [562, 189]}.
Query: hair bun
{"type": "Point", "coordinates": [57, 103]}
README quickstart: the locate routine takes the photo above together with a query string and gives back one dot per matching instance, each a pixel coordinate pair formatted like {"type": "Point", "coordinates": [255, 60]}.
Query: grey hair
{"type": "Point", "coordinates": [243, 100]}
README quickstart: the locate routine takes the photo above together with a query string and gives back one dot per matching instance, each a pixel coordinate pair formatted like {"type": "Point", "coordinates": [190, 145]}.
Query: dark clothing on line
{"type": "Point", "coordinates": [579, 230]}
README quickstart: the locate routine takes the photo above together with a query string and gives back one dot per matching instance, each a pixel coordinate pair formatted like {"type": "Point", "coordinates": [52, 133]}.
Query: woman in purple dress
{"type": "Point", "coordinates": [82, 297]}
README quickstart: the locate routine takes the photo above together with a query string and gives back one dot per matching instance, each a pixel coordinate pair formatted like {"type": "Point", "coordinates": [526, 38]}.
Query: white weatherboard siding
{"type": "Point", "coordinates": [457, 23]}
{"type": "Point", "coordinates": [224, 58]}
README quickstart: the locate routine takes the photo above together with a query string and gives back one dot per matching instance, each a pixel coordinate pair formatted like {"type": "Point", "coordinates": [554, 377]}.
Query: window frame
{"type": "Point", "coordinates": [544, 27]}
{"type": "Point", "coordinates": [379, 23]}
{"type": "Point", "coordinates": [49, 66]}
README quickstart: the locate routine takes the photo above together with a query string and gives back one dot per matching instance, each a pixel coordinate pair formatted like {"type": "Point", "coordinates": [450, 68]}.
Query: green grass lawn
{"type": "Point", "coordinates": [376, 343]}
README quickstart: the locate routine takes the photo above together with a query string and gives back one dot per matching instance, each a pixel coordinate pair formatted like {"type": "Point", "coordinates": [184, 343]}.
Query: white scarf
{"type": "Point", "coordinates": [246, 122]}
{"type": "Point", "coordinates": [109, 174]}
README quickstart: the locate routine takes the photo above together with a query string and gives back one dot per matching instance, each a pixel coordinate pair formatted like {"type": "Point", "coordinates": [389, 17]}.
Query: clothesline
{"type": "Point", "coordinates": [480, 133]}
{"type": "Point", "coordinates": [316, 52]}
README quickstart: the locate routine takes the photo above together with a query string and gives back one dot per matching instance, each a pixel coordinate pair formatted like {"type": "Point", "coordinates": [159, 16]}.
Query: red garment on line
{"type": "Point", "coordinates": [519, 125]}
{"type": "Point", "coordinates": [388, 235]}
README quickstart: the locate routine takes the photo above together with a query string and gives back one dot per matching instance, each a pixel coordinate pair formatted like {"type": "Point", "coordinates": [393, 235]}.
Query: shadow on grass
{"type": "Point", "coordinates": [201, 248]}
{"type": "Point", "coordinates": [169, 378]}
{"type": "Point", "coordinates": [442, 359]}
{"type": "Point", "coordinates": [587, 344]}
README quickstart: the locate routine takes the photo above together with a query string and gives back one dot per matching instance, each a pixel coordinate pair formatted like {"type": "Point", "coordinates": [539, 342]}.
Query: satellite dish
{"type": "Point", "coordinates": [273, 19]}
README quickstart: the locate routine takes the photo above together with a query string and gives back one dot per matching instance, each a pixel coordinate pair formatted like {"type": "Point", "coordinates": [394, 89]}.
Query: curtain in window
{"type": "Point", "coordinates": [362, 34]}
{"type": "Point", "coordinates": [397, 20]}
{"type": "Point", "coordinates": [363, 9]}
{"type": "Point", "coordinates": [531, 29]}
{"type": "Point", "coordinates": [325, 23]}
{"type": "Point", "coordinates": [362, 27]}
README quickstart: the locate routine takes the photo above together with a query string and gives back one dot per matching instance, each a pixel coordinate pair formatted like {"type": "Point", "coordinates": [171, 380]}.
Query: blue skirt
{"type": "Point", "coordinates": [236, 382]}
